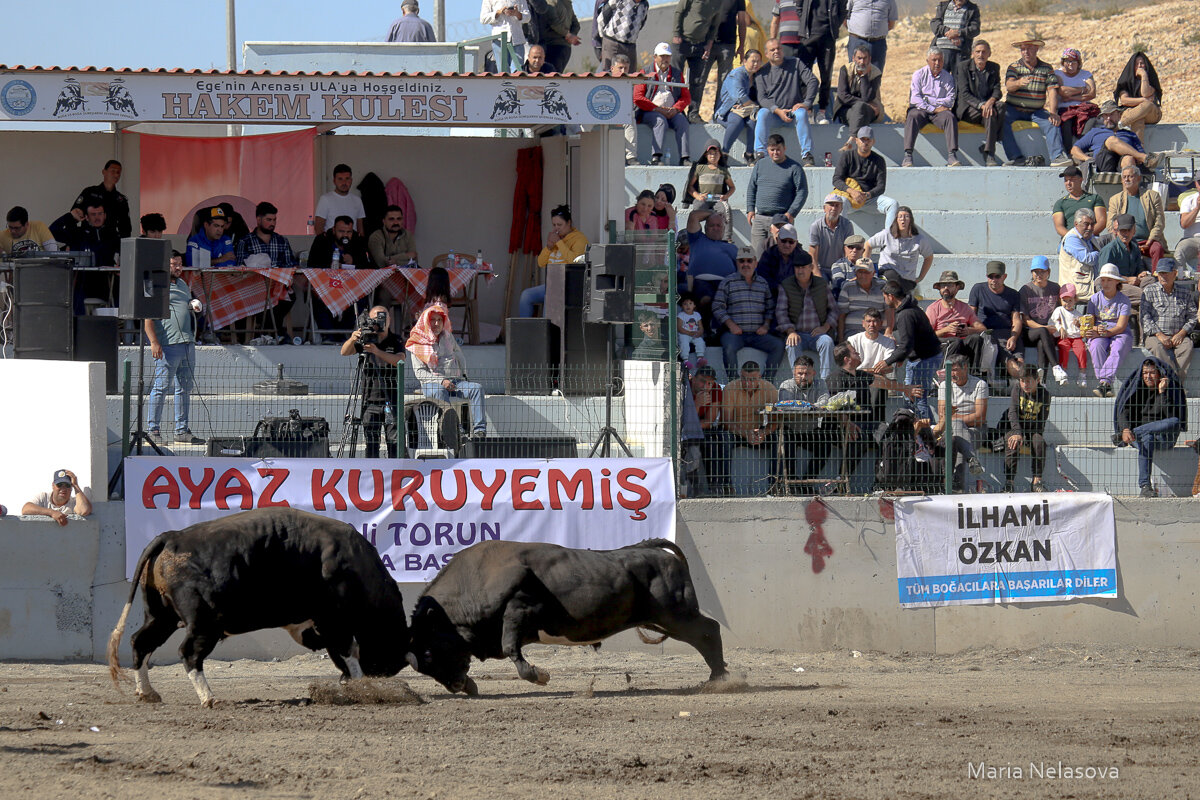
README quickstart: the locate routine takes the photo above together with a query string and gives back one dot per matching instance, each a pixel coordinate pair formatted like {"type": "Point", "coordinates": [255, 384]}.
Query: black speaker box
{"type": "Point", "coordinates": [583, 355]}
{"type": "Point", "coordinates": [610, 280]}
{"type": "Point", "coordinates": [145, 278]}
{"type": "Point", "coordinates": [96, 339]}
{"type": "Point", "coordinates": [531, 353]}
{"type": "Point", "coordinates": [520, 447]}
{"type": "Point", "coordinates": [42, 308]}
{"type": "Point", "coordinates": [250, 447]}
{"type": "Point", "coordinates": [566, 285]}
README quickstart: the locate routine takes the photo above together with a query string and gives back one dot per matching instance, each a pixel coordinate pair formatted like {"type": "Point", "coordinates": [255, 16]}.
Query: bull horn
{"type": "Point", "coordinates": [412, 661]}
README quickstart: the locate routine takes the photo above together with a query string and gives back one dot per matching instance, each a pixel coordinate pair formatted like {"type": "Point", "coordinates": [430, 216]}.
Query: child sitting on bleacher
{"type": "Point", "coordinates": [1065, 322]}
{"type": "Point", "coordinates": [690, 329]}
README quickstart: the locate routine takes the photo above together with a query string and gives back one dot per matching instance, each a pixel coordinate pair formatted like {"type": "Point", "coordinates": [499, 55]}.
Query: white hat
{"type": "Point", "coordinates": [662, 49]}
{"type": "Point", "coordinates": [1111, 271]}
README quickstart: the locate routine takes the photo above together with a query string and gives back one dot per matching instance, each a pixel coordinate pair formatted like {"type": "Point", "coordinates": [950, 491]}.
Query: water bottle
{"type": "Point", "coordinates": [336, 261]}
{"type": "Point", "coordinates": [311, 225]}
{"type": "Point", "coordinates": [450, 264]}
{"type": "Point", "coordinates": [479, 258]}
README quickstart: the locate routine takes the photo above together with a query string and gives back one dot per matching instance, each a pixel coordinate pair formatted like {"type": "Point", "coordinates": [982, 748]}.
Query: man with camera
{"type": "Point", "coordinates": [374, 338]}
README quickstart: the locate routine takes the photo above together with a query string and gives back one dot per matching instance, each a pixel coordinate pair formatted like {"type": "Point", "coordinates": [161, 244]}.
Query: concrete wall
{"type": "Point", "coordinates": [48, 421]}
{"type": "Point", "coordinates": [62, 589]}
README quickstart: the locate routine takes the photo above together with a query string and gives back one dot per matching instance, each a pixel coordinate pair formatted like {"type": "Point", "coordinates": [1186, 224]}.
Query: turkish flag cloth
{"type": "Point", "coordinates": [179, 174]}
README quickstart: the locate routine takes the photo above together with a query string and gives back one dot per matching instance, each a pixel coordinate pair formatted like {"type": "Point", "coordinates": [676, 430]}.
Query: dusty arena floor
{"type": "Point", "coordinates": [992, 724]}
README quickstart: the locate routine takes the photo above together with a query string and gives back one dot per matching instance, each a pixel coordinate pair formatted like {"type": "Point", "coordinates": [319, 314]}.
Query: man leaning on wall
{"type": "Point", "coordinates": [58, 502]}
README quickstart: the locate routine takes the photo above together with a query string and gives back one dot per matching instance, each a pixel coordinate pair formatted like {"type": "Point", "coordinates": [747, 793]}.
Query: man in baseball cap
{"type": "Point", "coordinates": [1168, 317]}
{"type": "Point", "coordinates": [662, 103]}
{"type": "Point", "coordinates": [826, 235]}
{"type": "Point", "coordinates": [57, 502]}
{"type": "Point", "coordinates": [209, 246]}
{"type": "Point", "coordinates": [1112, 147]}
{"type": "Point", "coordinates": [1076, 198]}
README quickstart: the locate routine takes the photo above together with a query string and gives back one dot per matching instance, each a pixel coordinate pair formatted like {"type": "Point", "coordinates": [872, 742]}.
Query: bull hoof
{"type": "Point", "coordinates": [541, 677]}
{"type": "Point", "coordinates": [150, 696]}
{"type": "Point", "coordinates": [469, 688]}
{"type": "Point", "coordinates": [209, 703]}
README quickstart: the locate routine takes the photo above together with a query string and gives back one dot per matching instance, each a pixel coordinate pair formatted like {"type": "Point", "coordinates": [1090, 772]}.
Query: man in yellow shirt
{"type": "Point", "coordinates": [21, 235]}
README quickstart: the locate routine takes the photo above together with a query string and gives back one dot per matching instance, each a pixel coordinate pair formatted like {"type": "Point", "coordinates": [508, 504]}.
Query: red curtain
{"type": "Point", "coordinates": [178, 173]}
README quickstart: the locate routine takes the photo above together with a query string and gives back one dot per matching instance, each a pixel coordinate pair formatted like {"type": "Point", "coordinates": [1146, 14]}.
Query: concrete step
{"type": "Point", "coordinates": [929, 148]}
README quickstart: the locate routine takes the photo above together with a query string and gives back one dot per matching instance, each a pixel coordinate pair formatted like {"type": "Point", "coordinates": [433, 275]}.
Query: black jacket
{"type": "Point", "coordinates": [321, 252]}
{"type": "Point", "coordinates": [1138, 404]}
{"type": "Point", "coordinates": [969, 94]}
{"type": "Point", "coordinates": [914, 335]}
{"type": "Point", "coordinates": [969, 28]}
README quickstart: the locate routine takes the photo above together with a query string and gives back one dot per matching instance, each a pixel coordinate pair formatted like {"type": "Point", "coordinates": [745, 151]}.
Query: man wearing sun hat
{"type": "Point", "coordinates": [1032, 94]}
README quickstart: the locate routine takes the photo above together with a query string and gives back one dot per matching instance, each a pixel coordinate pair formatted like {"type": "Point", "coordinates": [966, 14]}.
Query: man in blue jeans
{"type": "Point", "coordinates": [917, 346]}
{"type": "Point", "coordinates": [1032, 94]}
{"type": "Point", "coordinates": [173, 347]}
{"type": "Point", "coordinates": [786, 91]}
{"type": "Point", "coordinates": [743, 306]}
{"type": "Point", "coordinates": [1149, 415]}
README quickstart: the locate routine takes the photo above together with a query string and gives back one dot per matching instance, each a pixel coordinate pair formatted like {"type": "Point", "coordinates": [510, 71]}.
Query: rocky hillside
{"type": "Point", "coordinates": [1105, 34]}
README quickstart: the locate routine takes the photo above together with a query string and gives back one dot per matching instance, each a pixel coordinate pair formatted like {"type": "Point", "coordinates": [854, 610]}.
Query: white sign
{"type": "Point", "coordinates": [1004, 548]}
{"type": "Point", "coordinates": [61, 95]}
{"type": "Point", "coordinates": [418, 514]}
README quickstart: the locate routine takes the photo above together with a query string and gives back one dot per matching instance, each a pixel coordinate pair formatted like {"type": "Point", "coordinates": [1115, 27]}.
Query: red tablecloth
{"type": "Point", "coordinates": [339, 288]}
{"type": "Point", "coordinates": [233, 294]}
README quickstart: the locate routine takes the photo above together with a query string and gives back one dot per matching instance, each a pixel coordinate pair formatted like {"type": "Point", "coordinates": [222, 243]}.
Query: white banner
{"type": "Point", "coordinates": [62, 95]}
{"type": "Point", "coordinates": [1004, 548]}
{"type": "Point", "coordinates": [416, 513]}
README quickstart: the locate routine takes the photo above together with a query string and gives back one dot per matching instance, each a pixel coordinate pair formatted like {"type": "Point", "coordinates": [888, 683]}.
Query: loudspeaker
{"type": "Point", "coordinates": [145, 278]}
{"type": "Point", "coordinates": [531, 356]}
{"type": "Point", "coordinates": [96, 339]}
{"type": "Point", "coordinates": [250, 447]}
{"type": "Point", "coordinates": [42, 308]}
{"type": "Point", "coordinates": [584, 360]}
{"type": "Point", "coordinates": [610, 280]}
{"type": "Point", "coordinates": [520, 447]}
{"type": "Point", "coordinates": [566, 285]}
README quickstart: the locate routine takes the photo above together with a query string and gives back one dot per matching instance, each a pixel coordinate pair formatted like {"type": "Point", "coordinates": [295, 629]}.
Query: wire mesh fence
{"type": "Point", "coordinates": [240, 408]}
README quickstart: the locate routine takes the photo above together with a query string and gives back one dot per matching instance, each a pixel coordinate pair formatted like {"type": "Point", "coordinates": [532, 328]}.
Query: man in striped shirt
{"type": "Point", "coordinates": [1168, 315]}
{"type": "Point", "coordinates": [1032, 89]}
{"type": "Point", "coordinates": [743, 306]}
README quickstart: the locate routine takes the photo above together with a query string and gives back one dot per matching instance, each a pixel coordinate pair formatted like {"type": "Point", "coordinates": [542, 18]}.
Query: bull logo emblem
{"type": "Point", "coordinates": [70, 98]}
{"type": "Point", "coordinates": [553, 102]}
{"type": "Point", "coordinates": [119, 99]}
{"type": "Point", "coordinates": [507, 102]}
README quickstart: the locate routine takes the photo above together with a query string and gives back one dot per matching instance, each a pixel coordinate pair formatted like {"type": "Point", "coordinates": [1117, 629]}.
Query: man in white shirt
{"type": "Point", "coordinates": [339, 202]}
{"type": "Point", "coordinates": [871, 344]}
{"type": "Point", "coordinates": [57, 503]}
{"type": "Point", "coordinates": [1188, 249]}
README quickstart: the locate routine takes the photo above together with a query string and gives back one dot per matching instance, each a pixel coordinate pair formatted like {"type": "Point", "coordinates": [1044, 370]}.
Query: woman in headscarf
{"type": "Point", "coordinates": [1139, 93]}
{"type": "Point", "coordinates": [1149, 415]}
{"type": "Point", "coordinates": [440, 367]}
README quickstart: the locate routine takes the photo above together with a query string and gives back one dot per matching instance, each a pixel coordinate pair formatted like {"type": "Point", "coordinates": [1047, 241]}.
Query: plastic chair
{"type": "Point", "coordinates": [468, 300]}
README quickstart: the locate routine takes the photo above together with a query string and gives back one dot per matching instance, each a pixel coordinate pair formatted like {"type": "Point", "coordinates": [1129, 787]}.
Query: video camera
{"type": "Point", "coordinates": [370, 328]}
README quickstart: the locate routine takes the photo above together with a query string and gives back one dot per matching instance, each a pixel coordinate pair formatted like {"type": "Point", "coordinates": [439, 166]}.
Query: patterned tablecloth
{"type": "Point", "coordinates": [233, 294]}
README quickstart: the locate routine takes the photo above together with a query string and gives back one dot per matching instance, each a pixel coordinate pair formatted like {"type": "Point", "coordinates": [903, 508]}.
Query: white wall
{"type": "Point", "coordinates": [52, 416]}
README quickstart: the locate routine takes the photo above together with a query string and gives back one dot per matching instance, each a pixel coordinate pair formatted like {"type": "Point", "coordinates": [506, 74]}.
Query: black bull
{"type": "Point", "coordinates": [270, 568]}
{"type": "Point", "coordinates": [495, 597]}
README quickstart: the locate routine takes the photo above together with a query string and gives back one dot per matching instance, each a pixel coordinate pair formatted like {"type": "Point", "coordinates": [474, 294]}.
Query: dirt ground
{"type": "Point", "coordinates": [625, 725]}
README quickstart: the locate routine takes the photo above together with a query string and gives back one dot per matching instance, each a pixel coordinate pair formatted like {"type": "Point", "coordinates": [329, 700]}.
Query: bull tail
{"type": "Point", "coordinates": [663, 544]}
{"type": "Point", "coordinates": [140, 576]}
{"type": "Point", "coordinates": [644, 635]}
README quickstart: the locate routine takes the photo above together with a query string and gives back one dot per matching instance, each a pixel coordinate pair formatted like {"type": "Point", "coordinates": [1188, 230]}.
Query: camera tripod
{"type": "Point", "coordinates": [356, 401]}
{"type": "Point", "coordinates": [608, 433]}
{"type": "Point", "coordinates": [138, 435]}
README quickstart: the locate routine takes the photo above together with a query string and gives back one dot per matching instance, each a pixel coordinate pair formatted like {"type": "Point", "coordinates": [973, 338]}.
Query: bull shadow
{"type": "Point", "coordinates": [688, 691]}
